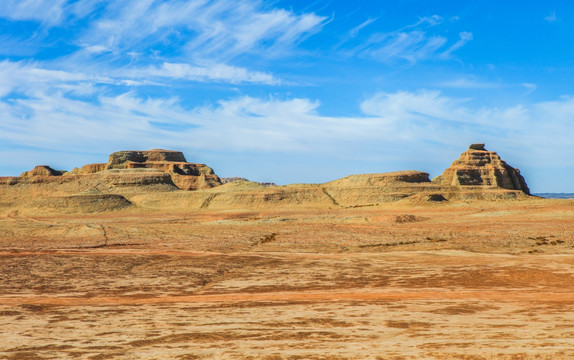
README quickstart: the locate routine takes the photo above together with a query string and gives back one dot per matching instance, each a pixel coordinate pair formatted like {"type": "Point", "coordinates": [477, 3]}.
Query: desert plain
{"type": "Point", "coordinates": [468, 277]}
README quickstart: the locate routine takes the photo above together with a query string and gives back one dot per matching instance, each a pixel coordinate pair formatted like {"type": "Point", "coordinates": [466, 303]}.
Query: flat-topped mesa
{"type": "Point", "coordinates": [383, 179]}
{"type": "Point", "coordinates": [185, 175]}
{"type": "Point", "coordinates": [122, 159]}
{"type": "Point", "coordinates": [480, 167]}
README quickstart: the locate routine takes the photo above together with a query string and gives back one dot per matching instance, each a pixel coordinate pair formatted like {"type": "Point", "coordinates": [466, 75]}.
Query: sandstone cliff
{"type": "Point", "coordinates": [121, 168]}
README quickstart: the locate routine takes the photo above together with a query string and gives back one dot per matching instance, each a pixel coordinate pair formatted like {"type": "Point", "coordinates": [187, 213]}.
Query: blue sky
{"type": "Point", "coordinates": [290, 91]}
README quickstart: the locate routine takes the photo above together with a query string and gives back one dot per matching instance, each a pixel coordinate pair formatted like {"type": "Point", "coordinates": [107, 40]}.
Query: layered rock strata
{"type": "Point", "coordinates": [185, 175]}
{"type": "Point", "coordinates": [127, 168]}
{"type": "Point", "coordinates": [480, 167]}
{"type": "Point", "coordinates": [42, 170]}
{"type": "Point", "coordinates": [147, 180]}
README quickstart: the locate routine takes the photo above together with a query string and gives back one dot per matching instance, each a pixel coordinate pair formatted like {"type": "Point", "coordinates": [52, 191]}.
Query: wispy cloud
{"type": "Point", "coordinates": [29, 78]}
{"type": "Point", "coordinates": [193, 40]}
{"type": "Point", "coordinates": [423, 105]}
{"type": "Point", "coordinates": [464, 37]}
{"type": "Point", "coordinates": [530, 88]}
{"type": "Point", "coordinates": [199, 29]}
{"type": "Point", "coordinates": [551, 17]}
{"type": "Point", "coordinates": [468, 83]}
{"type": "Point", "coordinates": [48, 12]}
{"type": "Point", "coordinates": [214, 73]}
{"type": "Point", "coordinates": [355, 31]}
{"type": "Point", "coordinates": [472, 82]}
{"type": "Point", "coordinates": [411, 43]}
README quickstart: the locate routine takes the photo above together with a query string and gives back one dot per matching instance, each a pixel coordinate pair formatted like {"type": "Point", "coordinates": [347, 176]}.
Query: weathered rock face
{"type": "Point", "coordinates": [122, 159]}
{"type": "Point", "coordinates": [92, 168]}
{"type": "Point", "coordinates": [186, 176]}
{"type": "Point", "coordinates": [122, 165]}
{"type": "Point", "coordinates": [480, 167]}
{"type": "Point", "coordinates": [383, 179]}
{"type": "Point", "coordinates": [42, 170]}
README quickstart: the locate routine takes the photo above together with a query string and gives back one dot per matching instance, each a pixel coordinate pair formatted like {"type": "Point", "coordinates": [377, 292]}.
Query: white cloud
{"type": "Point", "coordinates": [28, 78]}
{"type": "Point", "coordinates": [53, 116]}
{"type": "Point", "coordinates": [96, 49]}
{"type": "Point", "coordinates": [354, 32]}
{"type": "Point", "coordinates": [52, 120]}
{"type": "Point", "coordinates": [405, 106]}
{"type": "Point", "coordinates": [213, 72]}
{"type": "Point", "coordinates": [49, 12]}
{"type": "Point", "coordinates": [412, 46]}
{"type": "Point", "coordinates": [202, 30]}
{"type": "Point", "coordinates": [431, 20]}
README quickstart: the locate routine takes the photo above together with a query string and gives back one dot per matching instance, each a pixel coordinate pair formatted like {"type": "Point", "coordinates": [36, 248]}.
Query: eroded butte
{"type": "Point", "coordinates": [149, 256]}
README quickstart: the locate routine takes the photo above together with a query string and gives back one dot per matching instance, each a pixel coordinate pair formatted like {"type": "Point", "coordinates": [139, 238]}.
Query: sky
{"type": "Point", "coordinates": [290, 91]}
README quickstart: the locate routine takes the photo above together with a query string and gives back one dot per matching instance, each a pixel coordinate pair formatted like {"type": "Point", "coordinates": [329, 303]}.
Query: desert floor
{"type": "Point", "coordinates": [480, 280]}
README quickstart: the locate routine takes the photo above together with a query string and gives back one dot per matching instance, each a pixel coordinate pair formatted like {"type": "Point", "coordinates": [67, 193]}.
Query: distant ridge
{"type": "Point", "coordinates": [163, 179]}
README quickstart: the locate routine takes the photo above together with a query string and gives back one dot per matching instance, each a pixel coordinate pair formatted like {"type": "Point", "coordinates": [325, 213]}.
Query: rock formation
{"type": "Point", "coordinates": [236, 178]}
{"type": "Point", "coordinates": [122, 159]}
{"type": "Point", "coordinates": [42, 170]}
{"type": "Point", "coordinates": [154, 180]}
{"type": "Point", "coordinates": [122, 170]}
{"type": "Point", "coordinates": [185, 175]}
{"type": "Point", "coordinates": [90, 169]}
{"type": "Point", "coordinates": [480, 167]}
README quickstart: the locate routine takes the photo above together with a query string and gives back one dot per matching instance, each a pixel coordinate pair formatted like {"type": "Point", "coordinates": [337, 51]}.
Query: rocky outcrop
{"type": "Point", "coordinates": [232, 179]}
{"type": "Point", "coordinates": [482, 168]}
{"type": "Point", "coordinates": [185, 175]}
{"type": "Point", "coordinates": [172, 167]}
{"type": "Point", "coordinates": [92, 168]}
{"type": "Point", "coordinates": [235, 179]}
{"type": "Point", "coordinates": [383, 179]}
{"type": "Point", "coordinates": [82, 203]}
{"type": "Point", "coordinates": [122, 159]}
{"type": "Point", "coordinates": [42, 170]}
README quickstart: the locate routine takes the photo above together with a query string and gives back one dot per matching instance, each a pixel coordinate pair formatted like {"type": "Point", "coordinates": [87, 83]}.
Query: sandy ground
{"type": "Point", "coordinates": [456, 281]}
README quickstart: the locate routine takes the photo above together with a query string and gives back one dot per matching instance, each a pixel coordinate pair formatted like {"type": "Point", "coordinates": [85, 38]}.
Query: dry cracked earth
{"type": "Point", "coordinates": [455, 281]}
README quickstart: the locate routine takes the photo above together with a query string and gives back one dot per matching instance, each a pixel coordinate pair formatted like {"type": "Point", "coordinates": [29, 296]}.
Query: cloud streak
{"type": "Point", "coordinates": [214, 72]}
{"type": "Point", "coordinates": [219, 30]}
{"type": "Point", "coordinates": [191, 40]}
{"type": "Point", "coordinates": [411, 44]}
{"type": "Point", "coordinates": [48, 12]}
